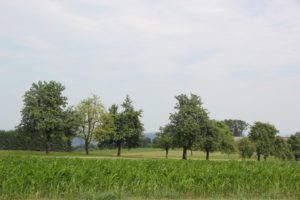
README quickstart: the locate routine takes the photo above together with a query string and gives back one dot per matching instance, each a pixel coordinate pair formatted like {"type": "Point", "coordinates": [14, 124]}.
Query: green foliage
{"type": "Point", "coordinates": [294, 141]}
{"type": "Point", "coordinates": [43, 115]}
{"type": "Point", "coordinates": [188, 122]}
{"type": "Point", "coordinates": [130, 124]}
{"type": "Point", "coordinates": [164, 139]}
{"type": "Point", "coordinates": [237, 127]}
{"type": "Point", "coordinates": [61, 178]}
{"type": "Point", "coordinates": [145, 142]}
{"type": "Point", "coordinates": [246, 148]}
{"type": "Point", "coordinates": [17, 140]}
{"type": "Point", "coordinates": [217, 136]}
{"type": "Point", "coordinates": [263, 135]}
{"type": "Point", "coordinates": [227, 144]}
{"type": "Point", "coordinates": [282, 149]}
{"type": "Point", "coordinates": [89, 112]}
{"type": "Point", "coordinates": [121, 129]}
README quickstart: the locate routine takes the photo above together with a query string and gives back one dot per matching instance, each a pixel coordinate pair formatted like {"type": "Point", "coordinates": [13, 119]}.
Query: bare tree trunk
{"type": "Point", "coordinates": [167, 153]}
{"type": "Point", "coordinates": [47, 147]}
{"type": "Point", "coordinates": [184, 153]}
{"type": "Point", "coordinates": [265, 157]}
{"type": "Point", "coordinates": [191, 152]}
{"type": "Point", "coordinates": [119, 149]}
{"type": "Point", "coordinates": [258, 156]}
{"type": "Point", "coordinates": [207, 154]}
{"type": "Point", "coordinates": [86, 143]}
{"type": "Point", "coordinates": [47, 144]}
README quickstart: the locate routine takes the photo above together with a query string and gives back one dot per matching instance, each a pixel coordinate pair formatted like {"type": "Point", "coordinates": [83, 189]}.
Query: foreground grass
{"type": "Point", "coordinates": [62, 178]}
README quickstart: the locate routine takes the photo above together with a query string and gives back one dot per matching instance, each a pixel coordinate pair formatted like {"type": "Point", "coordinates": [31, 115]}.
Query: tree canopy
{"type": "Point", "coordinates": [263, 135]}
{"type": "Point", "coordinates": [188, 121]}
{"type": "Point", "coordinates": [164, 139]}
{"type": "Point", "coordinates": [122, 128]}
{"type": "Point", "coordinates": [89, 112]}
{"type": "Point", "coordinates": [294, 141]}
{"type": "Point", "coordinates": [237, 127]}
{"type": "Point", "coordinates": [43, 114]}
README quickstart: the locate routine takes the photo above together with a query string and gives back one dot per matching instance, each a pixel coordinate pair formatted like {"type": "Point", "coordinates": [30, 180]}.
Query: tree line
{"type": "Point", "coordinates": [48, 123]}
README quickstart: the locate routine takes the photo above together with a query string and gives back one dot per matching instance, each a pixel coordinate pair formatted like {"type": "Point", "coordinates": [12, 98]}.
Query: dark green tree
{"type": "Point", "coordinates": [188, 122]}
{"type": "Point", "coordinates": [216, 137]}
{"type": "Point", "coordinates": [246, 148]}
{"type": "Point", "coordinates": [294, 141]}
{"type": "Point", "coordinates": [164, 139]}
{"type": "Point", "coordinates": [263, 135]}
{"type": "Point", "coordinates": [238, 127]}
{"type": "Point", "coordinates": [43, 112]}
{"type": "Point", "coordinates": [123, 129]}
{"type": "Point", "coordinates": [282, 149]}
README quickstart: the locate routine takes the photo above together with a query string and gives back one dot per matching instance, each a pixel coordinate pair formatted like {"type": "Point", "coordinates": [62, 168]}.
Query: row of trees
{"type": "Point", "coordinates": [191, 128]}
{"type": "Point", "coordinates": [263, 140]}
{"type": "Point", "coordinates": [45, 116]}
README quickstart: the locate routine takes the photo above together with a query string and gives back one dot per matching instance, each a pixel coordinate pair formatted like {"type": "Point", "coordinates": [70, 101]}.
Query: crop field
{"type": "Point", "coordinates": [37, 177]}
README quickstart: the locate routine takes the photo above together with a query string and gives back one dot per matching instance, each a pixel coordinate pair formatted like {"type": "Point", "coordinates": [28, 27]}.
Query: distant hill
{"type": "Point", "coordinates": [77, 141]}
{"type": "Point", "coordinates": [150, 135]}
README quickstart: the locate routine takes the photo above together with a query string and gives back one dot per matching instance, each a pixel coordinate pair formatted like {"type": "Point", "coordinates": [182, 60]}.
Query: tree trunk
{"type": "Point", "coordinates": [258, 156]}
{"type": "Point", "coordinates": [86, 147]}
{"type": "Point", "coordinates": [47, 144]}
{"type": "Point", "coordinates": [47, 147]}
{"type": "Point", "coordinates": [191, 152]}
{"type": "Point", "coordinates": [265, 157]}
{"type": "Point", "coordinates": [119, 149]}
{"type": "Point", "coordinates": [207, 154]}
{"type": "Point", "coordinates": [184, 155]}
{"type": "Point", "coordinates": [167, 153]}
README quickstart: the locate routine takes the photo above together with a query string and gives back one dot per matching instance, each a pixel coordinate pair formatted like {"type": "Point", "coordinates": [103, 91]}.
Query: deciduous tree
{"type": "Point", "coordinates": [246, 148]}
{"type": "Point", "coordinates": [294, 141]}
{"type": "Point", "coordinates": [43, 112]}
{"type": "Point", "coordinates": [282, 149]}
{"type": "Point", "coordinates": [188, 121]}
{"type": "Point", "coordinates": [89, 111]}
{"type": "Point", "coordinates": [164, 139]}
{"type": "Point", "coordinates": [238, 127]}
{"type": "Point", "coordinates": [216, 136]}
{"type": "Point", "coordinates": [263, 135]}
{"type": "Point", "coordinates": [122, 128]}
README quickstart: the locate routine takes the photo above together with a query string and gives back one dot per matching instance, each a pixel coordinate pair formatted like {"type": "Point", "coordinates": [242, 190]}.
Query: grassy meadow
{"type": "Point", "coordinates": [135, 153]}
{"type": "Point", "coordinates": [143, 174]}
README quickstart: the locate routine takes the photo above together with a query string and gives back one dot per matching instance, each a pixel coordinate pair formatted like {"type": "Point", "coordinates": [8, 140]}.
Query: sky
{"type": "Point", "coordinates": [241, 57]}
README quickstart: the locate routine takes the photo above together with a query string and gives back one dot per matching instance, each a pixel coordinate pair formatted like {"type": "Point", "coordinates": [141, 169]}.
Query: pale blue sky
{"type": "Point", "coordinates": [241, 57]}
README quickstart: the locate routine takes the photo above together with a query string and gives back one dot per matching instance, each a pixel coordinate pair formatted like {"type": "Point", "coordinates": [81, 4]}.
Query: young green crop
{"type": "Point", "coordinates": [34, 177]}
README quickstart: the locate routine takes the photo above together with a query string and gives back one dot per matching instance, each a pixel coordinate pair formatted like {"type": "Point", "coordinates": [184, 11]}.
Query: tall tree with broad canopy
{"type": "Point", "coordinates": [122, 128]}
{"type": "Point", "coordinates": [164, 139]}
{"type": "Point", "coordinates": [294, 141]}
{"type": "Point", "coordinates": [238, 127]}
{"type": "Point", "coordinates": [188, 122]}
{"type": "Point", "coordinates": [89, 111]}
{"type": "Point", "coordinates": [217, 136]}
{"type": "Point", "coordinates": [43, 114]}
{"type": "Point", "coordinates": [263, 135]}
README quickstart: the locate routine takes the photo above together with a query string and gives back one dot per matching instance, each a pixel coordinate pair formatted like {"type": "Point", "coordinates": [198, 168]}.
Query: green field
{"type": "Point", "coordinates": [136, 153]}
{"type": "Point", "coordinates": [142, 174]}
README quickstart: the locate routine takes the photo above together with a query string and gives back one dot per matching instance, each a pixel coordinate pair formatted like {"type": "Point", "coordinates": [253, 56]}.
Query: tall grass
{"type": "Point", "coordinates": [35, 177]}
